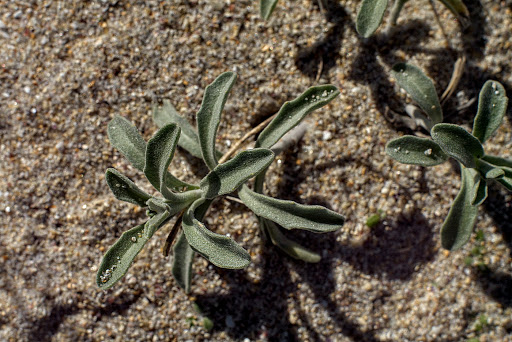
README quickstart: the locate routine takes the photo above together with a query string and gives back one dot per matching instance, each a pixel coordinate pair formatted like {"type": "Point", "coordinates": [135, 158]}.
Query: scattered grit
{"type": "Point", "coordinates": [67, 67]}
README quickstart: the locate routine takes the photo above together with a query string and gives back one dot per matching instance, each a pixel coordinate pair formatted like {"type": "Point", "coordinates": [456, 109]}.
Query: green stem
{"type": "Point", "coordinates": [395, 11]}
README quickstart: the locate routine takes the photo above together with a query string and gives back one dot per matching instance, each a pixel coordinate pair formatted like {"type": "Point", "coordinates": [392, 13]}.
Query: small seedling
{"type": "Point", "coordinates": [374, 220]}
{"type": "Point", "coordinates": [190, 202]}
{"type": "Point", "coordinates": [371, 13]}
{"type": "Point", "coordinates": [448, 140]}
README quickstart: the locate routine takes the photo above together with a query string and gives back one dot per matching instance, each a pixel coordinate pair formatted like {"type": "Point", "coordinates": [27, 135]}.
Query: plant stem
{"type": "Point", "coordinates": [395, 11]}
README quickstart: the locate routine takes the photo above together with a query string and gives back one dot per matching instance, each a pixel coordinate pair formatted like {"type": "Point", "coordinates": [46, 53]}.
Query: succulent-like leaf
{"type": "Point", "coordinates": [267, 7]}
{"type": "Point", "coordinates": [288, 246]}
{"type": "Point", "coordinates": [159, 154]}
{"type": "Point", "coordinates": [208, 117]}
{"type": "Point", "coordinates": [420, 88]}
{"type": "Point", "coordinates": [459, 223]}
{"type": "Point", "coordinates": [492, 105]}
{"type": "Point", "coordinates": [218, 249]}
{"type": "Point", "coordinates": [418, 151]}
{"type": "Point", "coordinates": [182, 263]}
{"type": "Point", "coordinates": [228, 177]}
{"type": "Point", "coordinates": [292, 113]}
{"type": "Point", "coordinates": [167, 114]}
{"type": "Point", "coordinates": [458, 143]}
{"type": "Point", "coordinates": [124, 189]}
{"type": "Point", "coordinates": [370, 16]}
{"type": "Point", "coordinates": [457, 7]}
{"type": "Point", "coordinates": [119, 257]}
{"type": "Point", "coordinates": [126, 138]}
{"type": "Point", "coordinates": [291, 215]}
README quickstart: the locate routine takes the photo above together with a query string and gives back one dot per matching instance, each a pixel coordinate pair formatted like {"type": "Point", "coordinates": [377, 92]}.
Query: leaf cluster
{"type": "Point", "coordinates": [452, 141]}
{"type": "Point", "coordinates": [190, 202]}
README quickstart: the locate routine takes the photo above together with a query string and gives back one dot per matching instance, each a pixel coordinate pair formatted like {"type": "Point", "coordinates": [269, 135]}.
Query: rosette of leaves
{"type": "Point", "coordinates": [371, 13]}
{"type": "Point", "coordinates": [190, 202]}
{"type": "Point", "coordinates": [477, 168]}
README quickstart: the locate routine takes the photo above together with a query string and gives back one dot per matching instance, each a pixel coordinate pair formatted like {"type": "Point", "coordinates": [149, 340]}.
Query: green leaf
{"type": "Point", "coordinates": [124, 189]}
{"type": "Point", "coordinates": [228, 177]}
{"type": "Point", "coordinates": [288, 246]}
{"type": "Point", "coordinates": [420, 88]}
{"type": "Point", "coordinates": [208, 117]}
{"type": "Point", "coordinates": [119, 257]}
{"type": "Point", "coordinates": [167, 114]}
{"type": "Point", "coordinates": [458, 143]}
{"type": "Point", "coordinates": [156, 221]}
{"type": "Point", "coordinates": [291, 215]}
{"type": "Point", "coordinates": [416, 151]}
{"type": "Point", "coordinates": [459, 223]}
{"type": "Point", "coordinates": [506, 182]}
{"type": "Point", "coordinates": [492, 105]}
{"type": "Point", "coordinates": [267, 7]}
{"type": "Point", "coordinates": [479, 190]}
{"type": "Point", "coordinates": [506, 166]}
{"type": "Point", "coordinates": [125, 137]}
{"type": "Point", "coordinates": [370, 16]}
{"type": "Point", "coordinates": [457, 7]}
{"type": "Point", "coordinates": [218, 249]}
{"type": "Point", "coordinates": [498, 161]}
{"type": "Point", "coordinates": [489, 171]}
{"type": "Point", "coordinates": [292, 113]}
{"type": "Point", "coordinates": [159, 153]}
{"type": "Point", "coordinates": [182, 263]}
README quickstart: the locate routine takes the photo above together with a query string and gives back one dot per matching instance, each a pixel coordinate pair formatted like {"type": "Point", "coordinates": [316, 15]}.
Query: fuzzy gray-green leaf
{"type": "Point", "coordinates": [370, 16]}
{"type": "Point", "coordinates": [288, 246]}
{"type": "Point", "coordinates": [126, 138]}
{"type": "Point", "coordinates": [119, 257]}
{"type": "Point", "coordinates": [479, 191]}
{"type": "Point", "coordinates": [492, 105]}
{"type": "Point", "coordinates": [418, 151]}
{"type": "Point", "coordinates": [218, 249]}
{"type": "Point", "coordinates": [159, 153]}
{"type": "Point", "coordinates": [267, 7]}
{"type": "Point", "coordinates": [458, 143]}
{"type": "Point", "coordinates": [292, 113]}
{"type": "Point", "coordinates": [498, 161]}
{"type": "Point", "coordinates": [457, 7]}
{"type": "Point", "coordinates": [155, 222]}
{"type": "Point", "coordinates": [291, 215]}
{"type": "Point", "coordinates": [182, 263]}
{"type": "Point", "coordinates": [124, 189]}
{"type": "Point", "coordinates": [459, 223]}
{"type": "Point", "coordinates": [208, 117]}
{"type": "Point", "coordinates": [420, 88]}
{"type": "Point", "coordinates": [167, 114]}
{"type": "Point", "coordinates": [228, 177]}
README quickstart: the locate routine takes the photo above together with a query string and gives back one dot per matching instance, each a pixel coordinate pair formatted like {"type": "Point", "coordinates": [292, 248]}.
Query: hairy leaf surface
{"type": "Point", "coordinates": [228, 177]}
{"type": "Point", "coordinates": [182, 264]}
{"type": "Point", "coordinates": [267, 7]}
{"type": "Point", "coordinates": [127, 140]}
{"type": "Point", "coordinates": [124, 189]}
{"type": "Point", "coordinates": [292, 113]}
{"type": "Point", "coordinates": [458, 143]}
{"type": "Point", "coordinates": [492, 105]}
{"type": "Point", "coordinates": [420, 88]}
{"type": "Point", "coordinates": [291, 215]}
{"type": "Point", "coordinates": [370, 16]}
{"type": "Point", "coordinates": [208, 117]}
{"type": "Point", "coordinates": [418, 151]}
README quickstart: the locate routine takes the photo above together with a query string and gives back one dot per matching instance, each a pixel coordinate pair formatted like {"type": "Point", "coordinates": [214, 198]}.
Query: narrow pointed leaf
{"type": "Point", "coordinates": [506, 182]}
{"type": "Point", "coordinates": [208, 117]}
{"type": "Point", "coordinates": [182, 263]}
{"type": "Point", "coordinates": [267, 7]}
{"type": "Point", "coordinates": [458, 143]}
{"type": "Point", "coordinates": [228, 177]}
{"type": "Point", "coordinates": [420, 88]}
{"type": "Point", "coordinates": [492, 105]}
{"type": "Point", "coordinates": [498, 161]}
{"type": "Point", "coordinates": [167, 114]}
{"type": "Point", "coordinates": [288, 246]}
{"type": "Point", "coordinates": [155, 222]}
{"type": "Point", "coordinates": [119, 257]}
{"type": "Point", "coordinates": [126, 138]}
{"type": "Point", "coordinates": [218, 249]}
{"type": "Point", "coordinates": [291, 215]}
{"type": "Point", "coordinates": [417, 151]}
{"type": "Point", "coordinates": [457, 7]}
{"type": "Point", "coordinates": [292, 113]}
{"type": "Point", "coordinates": [489, 171]}
{"type": "Point", "coordinates": [459, 223]}
{"type": "Point", "coordinates": [159, 153]}
{"type": "Point", "coordinates": [124, 189]}
{"type": "Point", "coordinates": [479, 190]}
{"type": "Point", "coordinates": [370, 16]}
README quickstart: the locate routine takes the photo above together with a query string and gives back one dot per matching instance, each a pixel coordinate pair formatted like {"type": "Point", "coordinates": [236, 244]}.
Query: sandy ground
{"type": "Point", "coordinates": [67, 67]}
